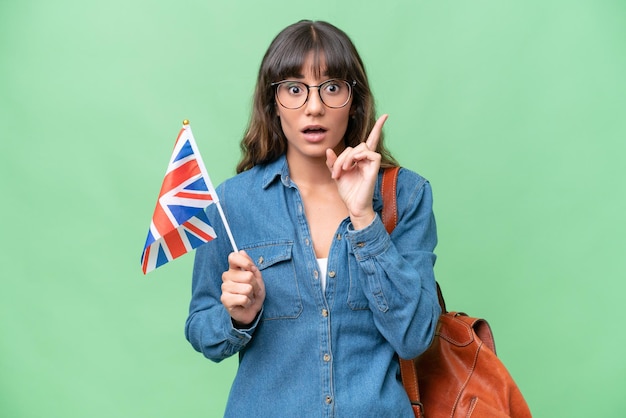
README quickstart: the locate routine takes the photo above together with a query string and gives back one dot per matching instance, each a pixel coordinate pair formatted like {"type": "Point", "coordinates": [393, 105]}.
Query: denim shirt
{"type": "Point", "coordinates": [314, 352]}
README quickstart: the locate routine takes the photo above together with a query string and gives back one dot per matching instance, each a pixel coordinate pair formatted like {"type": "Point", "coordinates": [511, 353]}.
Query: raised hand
{"type": "Point", "coordinates": [355, 171]}
{"type": "Point", "coordinates": [243, 289]}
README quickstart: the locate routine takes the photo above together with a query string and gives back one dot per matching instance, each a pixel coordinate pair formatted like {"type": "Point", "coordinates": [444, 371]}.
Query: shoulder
{"type": "Point", "coordinates": [410, 184]}
{"type": "Point", "coordinates": [415, 186]}
{"type": "Point", "coordinates": [410, 179]}
{"type": "Point", "coordinates": [244, 179]}
{"type": "Point", "coordinates": [412, 191]}
{"type": "Point", "coordinates": [246, 192]}
{"type": "Point", "coordinates": [250, 181]}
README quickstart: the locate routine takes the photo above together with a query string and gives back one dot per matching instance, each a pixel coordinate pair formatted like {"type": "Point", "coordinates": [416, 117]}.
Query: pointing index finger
{"type": "Point", "coordinates": [374, 136]}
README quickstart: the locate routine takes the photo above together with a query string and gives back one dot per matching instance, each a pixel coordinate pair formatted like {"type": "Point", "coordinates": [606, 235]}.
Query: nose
{"type": "Point", "coordinates": [314, 104]}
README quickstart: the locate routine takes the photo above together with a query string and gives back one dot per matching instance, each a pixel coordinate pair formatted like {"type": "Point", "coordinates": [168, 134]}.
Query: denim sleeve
{"type": "Point", "coordinates": [209, 327]}
{"type": "Point", "coordinates": [399, 280]}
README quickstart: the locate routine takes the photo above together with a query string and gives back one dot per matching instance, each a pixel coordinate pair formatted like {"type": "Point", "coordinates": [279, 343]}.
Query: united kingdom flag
{"type": "Point", "coordinates": [179, 223]}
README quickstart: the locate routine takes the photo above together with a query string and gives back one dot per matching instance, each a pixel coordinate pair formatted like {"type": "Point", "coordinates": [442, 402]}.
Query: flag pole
{"type": "Point", "coordinates": [212, 191]}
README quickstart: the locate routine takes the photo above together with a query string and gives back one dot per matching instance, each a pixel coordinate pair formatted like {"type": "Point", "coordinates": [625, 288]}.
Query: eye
{"type": "Point", "coordinates": [294, 88]}
{"type": "Point", "coordinates": [332, 87]}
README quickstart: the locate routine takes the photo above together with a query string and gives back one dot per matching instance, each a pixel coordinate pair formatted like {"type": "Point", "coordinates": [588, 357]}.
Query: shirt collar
{"type": "Point", "coordinates": [275, 169]}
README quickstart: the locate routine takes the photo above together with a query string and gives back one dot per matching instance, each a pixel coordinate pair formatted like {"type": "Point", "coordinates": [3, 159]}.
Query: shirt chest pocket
{"type": "Point", "coordinates": [356, 297]}
{"type": "Point", "coordinates": [282, 293]}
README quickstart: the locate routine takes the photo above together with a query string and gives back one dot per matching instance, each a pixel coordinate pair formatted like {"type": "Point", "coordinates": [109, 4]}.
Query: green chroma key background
{"type": "Point", "coordinates": [515, 111]}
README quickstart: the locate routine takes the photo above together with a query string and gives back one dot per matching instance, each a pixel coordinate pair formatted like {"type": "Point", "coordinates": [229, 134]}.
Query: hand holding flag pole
{"type": "Point", "coordinates": [179, 223]}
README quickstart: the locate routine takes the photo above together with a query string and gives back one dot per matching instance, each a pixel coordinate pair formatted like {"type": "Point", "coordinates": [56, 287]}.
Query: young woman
{"type": "Point", "coordinates": [320, 300]}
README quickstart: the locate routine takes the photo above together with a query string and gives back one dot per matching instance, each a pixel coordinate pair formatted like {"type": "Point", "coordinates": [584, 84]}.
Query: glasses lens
{"type": "Point", "coordinates": [335, 93]}
{"type": "Point", "coordinates": [292, 94]}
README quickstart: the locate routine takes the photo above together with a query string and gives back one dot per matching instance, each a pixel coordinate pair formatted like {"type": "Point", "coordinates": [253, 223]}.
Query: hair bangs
{"type": "Point", "coordinates": [336, 55]}
{"type": "Point", "coordinates": [331, 58]}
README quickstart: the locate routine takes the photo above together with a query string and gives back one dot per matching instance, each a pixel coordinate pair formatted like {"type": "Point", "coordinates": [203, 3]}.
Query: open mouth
{"type": "Point", "coordinates": [314, 130]}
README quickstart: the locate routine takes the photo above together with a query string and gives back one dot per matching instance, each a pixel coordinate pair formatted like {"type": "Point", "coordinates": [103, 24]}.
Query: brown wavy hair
{"type": "Point", "coordinates": [264, 140]}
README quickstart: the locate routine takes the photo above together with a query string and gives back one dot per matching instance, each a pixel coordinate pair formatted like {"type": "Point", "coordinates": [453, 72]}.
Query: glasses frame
{"type": "Point", "coordinates": [350, 85]}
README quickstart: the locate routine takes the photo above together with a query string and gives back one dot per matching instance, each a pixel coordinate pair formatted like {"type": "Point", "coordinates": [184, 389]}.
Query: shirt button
{"type": "Point", "coordinates": [360, 244]}
{"type": "Point", "coordinates": [331, 274]}
{"type": "Point", "coordinates": [260, 260]}
{"type": "Point", "coordinates": [329, 400]}
{"type": "Point", "coordinates": [338, 237]}
{"type": "Point", "coordinates": [326, 357]}
{"type": "Point", "coordinates": [307, 242]}
{"type": "Point", "coordinates": [315, 274]}
{"type": "Point", "coordinates": [324, 313]}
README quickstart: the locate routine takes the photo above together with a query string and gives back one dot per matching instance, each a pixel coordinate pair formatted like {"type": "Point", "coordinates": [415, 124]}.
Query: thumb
{"type": "Point", "coordinates": [331, 157]}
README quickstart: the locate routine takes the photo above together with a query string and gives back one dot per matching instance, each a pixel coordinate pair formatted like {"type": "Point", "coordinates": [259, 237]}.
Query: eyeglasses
{"type": "Point", "coordinates": [294, 94]}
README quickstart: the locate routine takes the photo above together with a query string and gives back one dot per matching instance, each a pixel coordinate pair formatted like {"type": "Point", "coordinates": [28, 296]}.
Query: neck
{"type": "Point", "coordinates": [309, 171]}
{"type": "Point", "coordinates": [310, 174]}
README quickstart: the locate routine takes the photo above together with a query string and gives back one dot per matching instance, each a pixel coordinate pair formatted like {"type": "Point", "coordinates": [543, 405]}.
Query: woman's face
{"type": "Point", "coordinates": [313, 128]}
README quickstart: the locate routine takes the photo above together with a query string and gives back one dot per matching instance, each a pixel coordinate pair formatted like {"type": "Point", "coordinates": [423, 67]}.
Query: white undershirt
{"type": "Point", "coordinates": [323, 265]}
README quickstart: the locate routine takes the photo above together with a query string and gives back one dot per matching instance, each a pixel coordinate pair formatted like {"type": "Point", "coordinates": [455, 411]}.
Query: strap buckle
{"type": "Point", "coordinates": [418, 409]}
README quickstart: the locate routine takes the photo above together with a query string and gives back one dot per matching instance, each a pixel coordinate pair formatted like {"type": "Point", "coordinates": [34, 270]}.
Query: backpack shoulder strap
{"type": "Point", "coordinates": [388, 191]}
{"type": "Point", "coordinates": [389, 217]}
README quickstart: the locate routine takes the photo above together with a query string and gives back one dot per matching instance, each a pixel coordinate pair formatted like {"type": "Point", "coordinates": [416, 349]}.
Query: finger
{"type": "Point", "coordinates": [258, 284]}
{"type": "Point", "coordinates": [239, 276]}
{"type": "Point", "coordinates": [237, 288]}
{"type": "Point", "coordinates": [374, 136]}
{"type": "Point", "coordinates": [245, 294]}
{"type": "Point", "coordinates": [236, 300]}
{"type": "Point", "coordinates": [241, 260]}
{"type": "Point", "coordinates": [359, 153]}
{"type": "Point", "coordinates": [365, 156]}
{"type": "Point", "coordinates": [342, 161]}
{"type": "Point", "coordinates": [240, 289]}
{"type": "Point", "coordinates": [331, 158]}
{"type": "Point", "coordinates": [349, 159]}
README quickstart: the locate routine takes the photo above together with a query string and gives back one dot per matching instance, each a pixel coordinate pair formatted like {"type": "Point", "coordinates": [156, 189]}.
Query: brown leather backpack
{"type": "Point", "coordinates": [459, 375]}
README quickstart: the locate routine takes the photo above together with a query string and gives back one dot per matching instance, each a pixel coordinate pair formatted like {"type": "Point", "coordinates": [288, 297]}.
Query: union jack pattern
{"type": "Point", "coordinates": [179, 223]}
